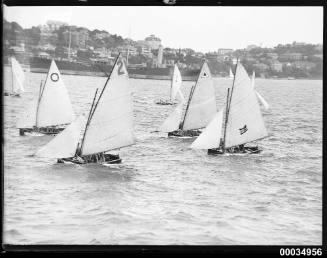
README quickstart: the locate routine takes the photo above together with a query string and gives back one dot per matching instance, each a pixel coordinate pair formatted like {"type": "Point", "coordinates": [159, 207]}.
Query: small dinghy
{"type": "Point", "coordinates": [243, 121]}
{"type": "Point", "coordinates": [53, 110]}
{"type": "Point", "coordinates": [17, 79]}
{"type": "Point", "coordinates": [176, 83]}
{"type": "Point", "coordinates": [201, 107]}
{"type": "Point", "coordinates": [109, 125]}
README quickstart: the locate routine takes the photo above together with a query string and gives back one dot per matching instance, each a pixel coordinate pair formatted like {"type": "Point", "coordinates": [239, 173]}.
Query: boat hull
{"type": "Point", "coordinates": [187, 133]}
{"type": "Point", "coordinates": [11, 94]}
{"type": "Point", "coordinates": [105, 159]}
{"type": "Point", "coordinates": [165, 102]}
{"type": "Point", "coordinates": [41, 130]}
{"type": "Point", "coordinates": [245, 150]}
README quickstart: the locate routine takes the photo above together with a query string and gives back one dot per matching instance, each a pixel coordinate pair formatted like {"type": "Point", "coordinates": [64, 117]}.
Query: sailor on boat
{"type": "Point", "coordinates": [200, 109]}
{"type": "Point", "coordinates": [109, 125]}
{"type": "Point", "coordinates": [17, 79]}
{"type": "Point", "coordinates": [52, 111]}
{"type": "Point", "coordinates": [243, 121]}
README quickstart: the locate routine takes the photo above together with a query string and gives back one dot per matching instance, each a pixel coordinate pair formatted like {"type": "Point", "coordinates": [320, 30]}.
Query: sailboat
{"type": "Point", "coordinates": [243, 121]}
{"type": "Point", "coordinates": [200, 109]}
{"type": "Point", "coordinates": [109, 125]}
{"type": "Point", "coordinates": [260, 98]}
{"type": "Point", "coordinates": [18, 78]}
{"type": "Point", "coordinates": [231, 75]}
{"type": "Point", "coordinates": [52, 111]}
{"type": "Point", "coordinates": [176, 83]}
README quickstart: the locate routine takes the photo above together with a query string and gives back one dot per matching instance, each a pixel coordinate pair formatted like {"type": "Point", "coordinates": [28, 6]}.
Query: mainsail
{"type": "Point", "coordinates": [54, 107]}
{"type": "Point", "coordinates": [176, 83]}
{"type": "Point", "coordinates": [111, 123]}
{"type": "Point", "coordinates": [172, 122]}
{"type": "Point", "coordinates": [211, 135]}
{"type": "Point", "coordinates": [244, 121]}
{"type": "Point", "coordinates": [65, 143]}
{"type": "Point", "coordinates": [202, 102]}
{"type": "Point", "coordinates": [18, 77]}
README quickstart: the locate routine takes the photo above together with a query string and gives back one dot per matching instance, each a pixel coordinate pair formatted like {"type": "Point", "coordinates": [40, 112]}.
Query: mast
{"type": "Point", "coordinates": [229, 99]}
{"type": "Point", "coordinates": [190, 97]}
{"type": "Point", "coordinates": [226, 116]}
{"type": "Point", "coordinates": [88, 119]}
{"type": "Point", "coordinates": [95, 106]}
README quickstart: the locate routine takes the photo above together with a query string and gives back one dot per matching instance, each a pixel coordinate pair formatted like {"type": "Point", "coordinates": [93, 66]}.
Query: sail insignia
{"type": "Point", "coordinates": [54, 107]}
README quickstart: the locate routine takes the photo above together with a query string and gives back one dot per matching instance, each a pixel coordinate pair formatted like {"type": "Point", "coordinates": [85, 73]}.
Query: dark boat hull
{"type": "Point", "coordinates": [245, 150]}
{"type": "Point", "coordinates": [105, 159]}
{"type": "Point", "coordinates": [187, 133]}
{"type": "Point", "coordinates": [165, 102]}
{"type": "Point", "coordinates": [41, 130]}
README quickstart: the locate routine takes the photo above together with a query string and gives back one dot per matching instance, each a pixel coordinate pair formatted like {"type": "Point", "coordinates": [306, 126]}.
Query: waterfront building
{"type": "Point", "coordinates": [276, 66]}
{"type": "Point", "coordinates": [153, 41]}
{"type": "Point", "coordinates": [290, 57]}
{"type": "Point", "coordinates": [224, 51]}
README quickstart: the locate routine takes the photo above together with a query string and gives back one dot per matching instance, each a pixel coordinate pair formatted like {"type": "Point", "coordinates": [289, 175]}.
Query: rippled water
{"type": "Point", "coordinates": [164, 192]}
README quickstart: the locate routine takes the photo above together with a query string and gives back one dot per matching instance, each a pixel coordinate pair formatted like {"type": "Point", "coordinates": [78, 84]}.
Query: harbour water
{"type": "Point", "coordinates": [164, 192]}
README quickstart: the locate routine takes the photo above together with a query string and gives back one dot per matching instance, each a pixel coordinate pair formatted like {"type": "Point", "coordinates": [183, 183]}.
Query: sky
{"type": "Point", "coordinates": [198, 27]}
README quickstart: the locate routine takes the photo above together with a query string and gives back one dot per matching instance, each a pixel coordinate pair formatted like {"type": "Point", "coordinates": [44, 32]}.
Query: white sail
{"type": "Point", "coordinates": [111, 125]}
{"type": "Point", "coordinates": [261, 99]}
{"type": "Point", "coordinates": [211, 135]}
{"type": "Point", "coordinates": [65, 143]}
{"type": "Point", "coordinates": [176, 83]}
{"type": "Point", "coordinates": [18, 77]}
{"type": "Point", "coordinates": [244, 122]}
{"type": "Point", "coordinates": [231, 75]}
{"type": "Point", "coordinates": [202, 105]}
{"type": "Point", "coordinates": [172, 122]}
{"type": "Point", "coordinates": [55, 107]}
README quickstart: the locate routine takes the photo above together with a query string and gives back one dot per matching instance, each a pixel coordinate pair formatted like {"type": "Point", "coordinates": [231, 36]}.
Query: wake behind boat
{"type": "Point", "coordinates": [52, 111]}
{"type": "Point", "coordinates": [200, 109]}
{"type": "Point", "coordinates": [176, 83]}
{"type": "Point", "coordinates": [109, 125]}
{"type": "Point", "coordinates": [243, 121]}
{"type": "Point", "coordinates": [17, 79]}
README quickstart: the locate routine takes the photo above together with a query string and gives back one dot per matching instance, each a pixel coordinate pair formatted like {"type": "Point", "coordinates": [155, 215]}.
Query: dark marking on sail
{"type": "Point", "coordinates": [204, 74]}
{"type": "Point", "coordinates": [243, 129]}
{"type": "Point", "coordinates": [54, 77]}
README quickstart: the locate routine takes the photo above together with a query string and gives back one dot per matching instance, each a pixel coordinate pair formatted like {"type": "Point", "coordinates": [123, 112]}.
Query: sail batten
{"type": "Point", "coordinates": [54, 106]}
{"type": "Point", "coordinates": [111, 123]}
{"type": "Point", "coordinates": [202, 102]}
{"type": "Point", "coordinates": [245, 123]}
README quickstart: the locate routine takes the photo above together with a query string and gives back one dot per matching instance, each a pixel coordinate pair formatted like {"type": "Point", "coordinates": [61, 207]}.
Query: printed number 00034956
{"type": "Point", "coordinates": [300, 251]}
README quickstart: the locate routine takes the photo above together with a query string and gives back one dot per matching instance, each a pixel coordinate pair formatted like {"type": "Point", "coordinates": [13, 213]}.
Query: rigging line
{"type": "Point", "coordinates": [88, 120]}
{"type": "Point", "coordinates": [105, 85]}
